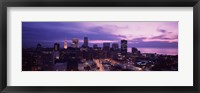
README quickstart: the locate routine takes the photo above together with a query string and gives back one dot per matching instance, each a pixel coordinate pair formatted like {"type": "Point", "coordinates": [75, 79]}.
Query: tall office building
{"type": "Point", "coordinates": [75, 42]}
{"type": "Point", "coordinates": [85, 41]}
{"type": "Point", "coordinates": [56, 53]}
{"type": "Point", "coordinates": [106, 46]}
{"type": "Point", "coordinates": [39, 48]}
{"type": "Point", "coordinates": [73, 59]}
{"type": "Point", "coordinates": [123, 47]}
{"type": "Point", "coordinates": [115, 46]}
{"type": "Point", "coordinates": [95, 46]}
{"type": "Point", "coordinates": [106, 50]}
{"type": "Point", "coordinates": [65, 44]}
{"type": "Point", "coordinates": [38, 59]}
{"type": "Point", "coordinates": [56, 47]}
{"type": "Point", "coordinates": [134, 50]}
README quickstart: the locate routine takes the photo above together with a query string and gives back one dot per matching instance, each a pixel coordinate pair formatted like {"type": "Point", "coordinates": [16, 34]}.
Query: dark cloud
{"type": "Point", "coordinates": [158, 37]}
{"type": "Point", "coordinates": [155, 44]}
{"type": "Point", "coordinates": [96, 29]}
{"type": "Point", "coordinates": [122, 36]}
{"type": "Point", "coordinates": [162, 30]}
{"type": "Point", "coordinates": [100, 33]}
{"type": "Point", "coordinates": [139, 39]}
{"type": "Point", "coordinates": [164, 37]}
{"type": "Point", "coordinates": [48, 32]}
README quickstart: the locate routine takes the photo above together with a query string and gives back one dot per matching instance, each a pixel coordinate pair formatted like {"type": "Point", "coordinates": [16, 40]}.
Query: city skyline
{"type": "Point", "coordinates": [99, 46]}
{"type": "Point", "coordinates": [138, 34]}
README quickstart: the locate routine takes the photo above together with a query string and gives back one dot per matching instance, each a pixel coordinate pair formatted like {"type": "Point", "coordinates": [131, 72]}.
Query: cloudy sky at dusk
{"type": "Point", "coordinates": [138, 34]}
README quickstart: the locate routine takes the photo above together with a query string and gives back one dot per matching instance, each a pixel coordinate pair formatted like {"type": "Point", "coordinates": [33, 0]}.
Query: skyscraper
{"type": "Point", "coordinates": [75, 43]}
{"type": "Point", "coordinates": [95, 46]}
{"type": "Point", "coordinates": [65, 44]}
{"type": "Point", "coordinates": [115, 46]}
{"type": "Point", "coordinates": [106, 49]}
{"type": "Point", "coordinates": [85, 41]}
{"type": "Point", "coordinates": [106, 46]}
{"type": "Point", "coordinates": [123, 47]}
{"type": "Point", "coordinates": [39, 48]}
{"type": "Point", "coordinates": [134, 50]}
{"type": "Point", "coordinates": [56, 47]}
{"type": "Point", "coordinates": [56, 53]}
{"type": "Point", "coordinates": [73, 59]}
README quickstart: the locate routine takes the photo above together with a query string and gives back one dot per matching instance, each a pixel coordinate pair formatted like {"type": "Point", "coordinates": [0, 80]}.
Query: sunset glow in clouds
{"type": "Point", "coordinates": [138, 34]}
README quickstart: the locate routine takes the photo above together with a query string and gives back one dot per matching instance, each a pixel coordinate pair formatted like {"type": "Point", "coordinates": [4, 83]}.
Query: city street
{"type": "Point", "coordinates": [98, 63]}
{"type": "Point", "coordinates": [101, 67]}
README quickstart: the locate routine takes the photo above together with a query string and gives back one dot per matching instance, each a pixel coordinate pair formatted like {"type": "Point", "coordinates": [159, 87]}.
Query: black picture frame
{"type": "Point", "coordinates": [98, 3]}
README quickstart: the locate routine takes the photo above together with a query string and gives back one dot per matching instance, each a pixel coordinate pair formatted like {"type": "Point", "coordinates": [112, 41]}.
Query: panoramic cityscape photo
{"type": "Point", "coordinates": [100, 46]}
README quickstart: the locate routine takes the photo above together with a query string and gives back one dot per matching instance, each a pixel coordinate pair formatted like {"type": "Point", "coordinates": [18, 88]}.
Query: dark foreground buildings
{"type": "Point", "coordinates": [85, 58]}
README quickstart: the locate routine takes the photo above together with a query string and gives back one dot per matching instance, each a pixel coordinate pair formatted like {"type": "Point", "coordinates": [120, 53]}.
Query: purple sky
{"type": "Point", "coordinates": [138, 34]}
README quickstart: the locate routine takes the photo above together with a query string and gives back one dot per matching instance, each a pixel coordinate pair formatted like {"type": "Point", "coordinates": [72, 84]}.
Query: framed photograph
{"type": "Point", "coordinates": [121, 46]}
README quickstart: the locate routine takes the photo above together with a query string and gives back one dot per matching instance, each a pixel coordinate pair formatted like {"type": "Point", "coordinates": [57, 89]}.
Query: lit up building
{"type": "Point", "coordinates": [123, 47]}
{"type": "Point", "coordinates": [65, 44]}
{"type": "Point", "coordinates": [56, 53]}
{"type": "Point", "coordinates": [75, 43]}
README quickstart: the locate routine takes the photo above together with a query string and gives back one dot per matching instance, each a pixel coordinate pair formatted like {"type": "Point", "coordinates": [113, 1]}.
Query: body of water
{"type": "Point", "coordinates": [165, 51]}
